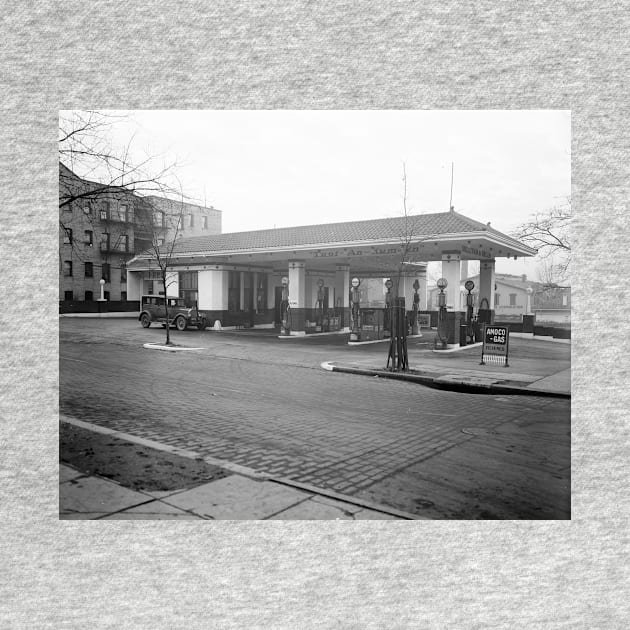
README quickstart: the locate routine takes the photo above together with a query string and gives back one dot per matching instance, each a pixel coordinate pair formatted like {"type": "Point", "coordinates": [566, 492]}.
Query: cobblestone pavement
{"type": "Point", "coordinates": [266, 404]}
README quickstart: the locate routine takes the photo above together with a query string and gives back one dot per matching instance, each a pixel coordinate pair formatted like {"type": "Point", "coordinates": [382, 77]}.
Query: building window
{"type": "Point", "coordinates": [188, 287]}
{"type": "Point", "coordinates": [105, 242]}
{"type": "Point", "coordinates": [122, 213]}
{"type": "Point", "coordinates": [105, 211]}
{"type": "Point", "coordinates": [123, 272]}
{"type": "Point", "coordinates": [158, 219]}
{"type": "Point", "coordinates": [87, 209]}
{"type": "Point", "coordinates": [123, 243]}
{"type": "Point", "coordinates": [89, 270]}
{"type": "Point", "coordinates": [123, 296]}
{"type": "Point", "coordinates": [89, 296]}
{"type": "Point", "coordinates": [105, 271]}
{"type": "Point", "coordinates": [68, 296]}
{"type": "Point", "coordinates": [496, 299]}
{"type": "Point", "coordinates": [191, 220]}
{"type": "Point", "coordinates": [160, 242]}
{"type": "Point", "coordinates": [67, 236]}
{"type": "Point", "coordinates": [88, 238]}
{"type": "Point", "coordinates": [512, 299]}
{"type": "Point", "coordinates": [67, 267]}
{"type": "Point", "coordinates": [204, 223]}
{"type": "Point", "coordinates": [106, 295]}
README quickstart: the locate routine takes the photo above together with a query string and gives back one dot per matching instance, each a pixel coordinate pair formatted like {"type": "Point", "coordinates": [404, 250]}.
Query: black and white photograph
{"type": "Point", "coordinates": [319, 309]}
{"type": "Point", "coordinates": [315, 314]}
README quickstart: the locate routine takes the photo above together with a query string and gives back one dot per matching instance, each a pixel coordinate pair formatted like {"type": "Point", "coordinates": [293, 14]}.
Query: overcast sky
{"type": "Point", "coordinates": [285, 168]}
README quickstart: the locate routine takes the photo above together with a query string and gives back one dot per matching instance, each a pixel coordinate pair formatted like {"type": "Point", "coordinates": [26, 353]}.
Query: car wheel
{"type": "Point", "coordinates": [145, 320]}
{"type": "Point", "coordinates": [181, 323]}
{"type": "Point", "coordinates": [202, 324]}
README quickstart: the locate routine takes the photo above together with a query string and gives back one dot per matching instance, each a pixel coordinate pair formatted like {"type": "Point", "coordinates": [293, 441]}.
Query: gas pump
{"type": "Point", "coordinates": [355, 333]}
{"type": "Point", "coordinates": [470, 333]}
{"type": "Point", "coordinates": [416, 305]}
{"type": "Point", "coordinates": [320, 305]}
{"type": "Point", "coordinates": [387, 323]}
{"type": "Point", "coordinates": [285, 312]}
{"type": "Point", "coordinates": [441, 340]}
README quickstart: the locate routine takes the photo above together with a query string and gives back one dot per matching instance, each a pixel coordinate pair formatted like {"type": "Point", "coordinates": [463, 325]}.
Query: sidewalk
{"type": "Point", "coordinates": [536, 367]}
{"type": "Point", "coordinates": [240, 494]}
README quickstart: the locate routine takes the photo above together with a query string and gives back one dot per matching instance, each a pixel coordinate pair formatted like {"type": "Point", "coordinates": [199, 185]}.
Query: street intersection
{"type": "Point", "coordinates": [267, 405]}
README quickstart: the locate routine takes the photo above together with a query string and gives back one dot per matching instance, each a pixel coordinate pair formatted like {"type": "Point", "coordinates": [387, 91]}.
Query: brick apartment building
{"type": "Point", "coordinates": [196, 220]}
{"type": "Point", "coordinates": [102, 227]}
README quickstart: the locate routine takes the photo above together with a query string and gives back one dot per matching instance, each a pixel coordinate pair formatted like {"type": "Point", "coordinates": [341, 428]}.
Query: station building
{"type": "Point", "coordinates": [237, 278]}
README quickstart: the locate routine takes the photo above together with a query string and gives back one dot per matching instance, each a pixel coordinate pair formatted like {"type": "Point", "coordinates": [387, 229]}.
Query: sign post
{"type": "Point", "coordinates": [496, 342]}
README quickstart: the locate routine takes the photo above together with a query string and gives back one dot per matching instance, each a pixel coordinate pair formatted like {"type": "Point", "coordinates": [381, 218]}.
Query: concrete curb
{"type": "Point", "coordinates": [158, 346]}
{"type": "Point", "coordinates": [344, 498]}
{"type": "Point", "coordinates": [436, 383]}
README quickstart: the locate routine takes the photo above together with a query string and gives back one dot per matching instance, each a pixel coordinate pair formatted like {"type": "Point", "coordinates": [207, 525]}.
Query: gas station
{"type": "Point", "coordinates": [335, 277]}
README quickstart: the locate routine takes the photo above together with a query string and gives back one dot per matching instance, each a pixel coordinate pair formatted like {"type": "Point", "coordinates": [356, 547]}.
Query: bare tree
{"type": "Point", "coordinates": [92, 169]}
{"type": "Point", "coordinates": [550, 233]}
{"type": "Point", "coordinates": [397, 352]}
{"type": "Point", "coordinates": [154, 224]}
{"type": "Point", "coordinates": [410, 241]}
{"type": "Point", "coordinates": [87, 152]}
{"type": "Point", "coordinates": [100, 184]}
{"type": "Point", "coordinates": [548, 272]}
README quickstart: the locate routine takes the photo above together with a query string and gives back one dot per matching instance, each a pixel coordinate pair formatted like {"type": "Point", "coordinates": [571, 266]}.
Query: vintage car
{"type": "Point", "coordinates": [152, 309]}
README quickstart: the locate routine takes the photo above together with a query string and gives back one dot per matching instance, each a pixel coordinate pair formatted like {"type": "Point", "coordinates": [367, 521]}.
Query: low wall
{"type": "Point", "coordinates": [116, 306]}
{"type": "Point", "coordinates": [557, 332]}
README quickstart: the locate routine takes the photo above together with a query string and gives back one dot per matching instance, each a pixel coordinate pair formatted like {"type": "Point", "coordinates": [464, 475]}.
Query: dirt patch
{"type": "Point", "coordinates": [131, 465]}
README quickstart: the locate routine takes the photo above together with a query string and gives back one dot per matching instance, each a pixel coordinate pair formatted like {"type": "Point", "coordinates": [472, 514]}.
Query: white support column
{"type": "Point", "coordinates": [297, 296]}
{"type": "Point", "coordinates": [486, 284]}
{"type": "Point", "coordinates": [406, 289]}
{"type": "Point", "coordinates": [212, 287]}
{"type": "Point", "coordinates": [464, 270]}
{"type": "Point", "coordinates": [272, 282]}
{"type": "Point", "coordinates": [172, 284]}
{"type": "Point", "coordinates": [134, 285]}
{"type": "Point", "coordinates": [342, 286]}
{"type": "Point", "coordinates": [342, 293]}
{"type": "Point", "coordinates": [451, 271]}
{"type": "Point", "coordinates": [297, 284]}
{"type": "Point", "coordinates": [422, 291]}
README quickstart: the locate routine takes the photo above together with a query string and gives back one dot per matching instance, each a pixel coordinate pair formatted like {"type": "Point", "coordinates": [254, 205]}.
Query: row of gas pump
{"type": "Point", "coordinates": [285, 309]}
{"type": "Point", "coordinates": [471, 333]}
{"type": "Point", "coordinates": [355, 309]}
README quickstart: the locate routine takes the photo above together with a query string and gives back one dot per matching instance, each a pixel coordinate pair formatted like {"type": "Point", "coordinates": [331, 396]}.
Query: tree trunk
{"type": "Point", "coordinates": [168, 327]}
{"type": "Point", "coordinates": [398, 356]}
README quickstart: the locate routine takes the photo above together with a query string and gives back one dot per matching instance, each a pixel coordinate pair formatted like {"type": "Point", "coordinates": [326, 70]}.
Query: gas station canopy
{"type": "Point", "coordinates": [370, 247]}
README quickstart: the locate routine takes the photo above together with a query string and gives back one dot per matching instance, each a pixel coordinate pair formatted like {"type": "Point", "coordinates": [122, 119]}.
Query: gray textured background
{"type": "Point", "coordinates": [344, 55]}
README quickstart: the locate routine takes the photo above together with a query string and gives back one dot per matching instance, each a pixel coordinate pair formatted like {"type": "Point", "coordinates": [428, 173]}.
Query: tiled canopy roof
{"type": "Point", "coordinates": [419, 226]}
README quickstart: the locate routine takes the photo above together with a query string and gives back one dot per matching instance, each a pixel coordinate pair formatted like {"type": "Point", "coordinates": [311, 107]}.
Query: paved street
{"type": "Point", "coordinates": [266, 404]}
